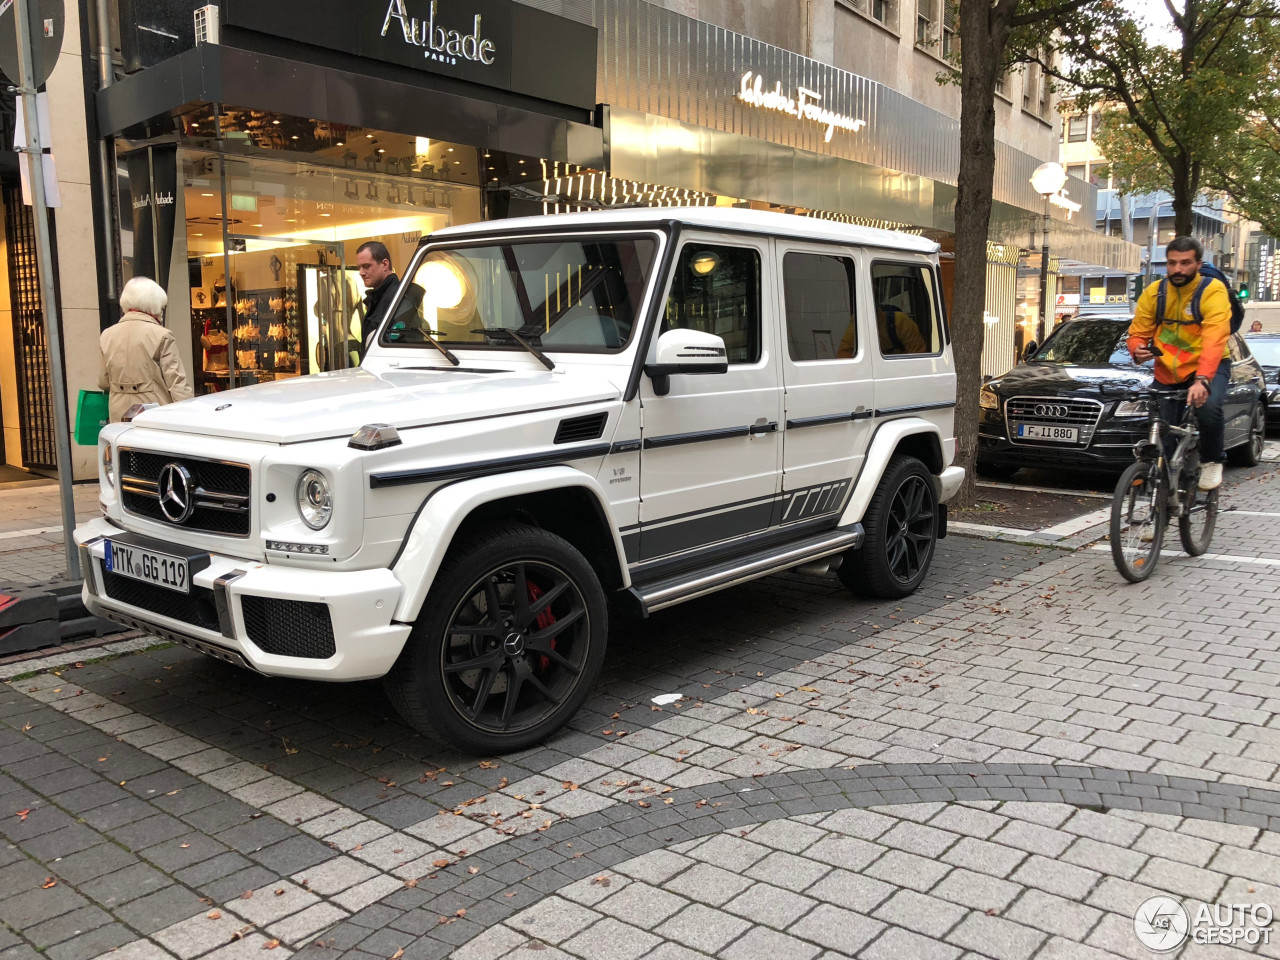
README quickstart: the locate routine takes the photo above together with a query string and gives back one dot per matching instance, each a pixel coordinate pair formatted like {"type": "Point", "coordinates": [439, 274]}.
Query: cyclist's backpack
{"type": "Point", "coordinates": [1207, 272]}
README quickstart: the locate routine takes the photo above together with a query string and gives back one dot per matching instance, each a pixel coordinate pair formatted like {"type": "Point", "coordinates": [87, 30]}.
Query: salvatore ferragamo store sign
{"type": "Point", "coordinates": [498, 43]}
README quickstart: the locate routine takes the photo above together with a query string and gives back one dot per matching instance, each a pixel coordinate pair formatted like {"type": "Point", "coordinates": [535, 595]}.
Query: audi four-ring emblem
{"type": "Point", "coordinates": [1052, 410]}
{"type": "Point", "coordinates": [174, 490]}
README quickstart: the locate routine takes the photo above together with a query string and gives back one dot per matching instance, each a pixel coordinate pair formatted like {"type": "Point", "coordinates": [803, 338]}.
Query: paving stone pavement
{"type": "Point", "coordinates": [1003, 765]}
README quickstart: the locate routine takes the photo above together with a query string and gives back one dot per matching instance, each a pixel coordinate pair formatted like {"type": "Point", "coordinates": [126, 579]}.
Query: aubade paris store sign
{"type": "Point", "coordinates": [498, 43]}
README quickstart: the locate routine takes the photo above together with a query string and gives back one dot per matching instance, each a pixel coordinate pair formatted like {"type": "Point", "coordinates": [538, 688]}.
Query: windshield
{"type": "Point", "coordinates": [1266, 352]}
{"type": "Point", "coordinates": [580, 294]}
{"type": "Point", "coordinates": [1087, 343]}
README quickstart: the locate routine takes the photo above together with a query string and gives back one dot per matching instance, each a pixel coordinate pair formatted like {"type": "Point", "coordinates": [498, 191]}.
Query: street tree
{"type": "Point", "coordinates": [995, 36]}
{"type": "Point", "coordinates": [1180, 96]}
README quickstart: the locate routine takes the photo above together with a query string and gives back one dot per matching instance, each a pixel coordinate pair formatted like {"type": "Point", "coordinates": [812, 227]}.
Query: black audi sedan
{"type": "Point", "coordinates": [1078, 401]}
{"type": "Point", "coordinates": [1265, 348]}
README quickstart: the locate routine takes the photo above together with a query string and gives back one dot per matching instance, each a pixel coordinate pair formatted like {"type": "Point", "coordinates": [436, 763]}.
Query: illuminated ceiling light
{"type": "Point", "coordinates": [206, 194]}
{"type": "Point", "coordinates": [458, 163]}
{"type": "Point", "coordinates": [704, 263]}
{"type": "Point", "coordinates": [275, 123]}
{"type": "Point", "coordinates": [368, 136]}
{"type": "Point", "coordinates": [381, 150]}
{"type": "Point", "coordinates": [451, 151]}
{"type": "Point", "coordinates": [445, 283]}
{"type": "Point", "coordinates": [294, 137]}
{"type": "Point", "coordinates": [340, 144]}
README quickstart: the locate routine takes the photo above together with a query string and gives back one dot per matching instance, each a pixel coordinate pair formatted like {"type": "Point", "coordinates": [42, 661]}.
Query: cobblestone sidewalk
{"type": "Point", "coordinates": [1003, 766]}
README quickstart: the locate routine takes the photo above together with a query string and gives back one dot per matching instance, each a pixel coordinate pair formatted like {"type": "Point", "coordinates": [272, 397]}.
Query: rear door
{"type": "Point", "coordinates": [827, 378]}
{"type": "Point", "coordinates": [913, 370]}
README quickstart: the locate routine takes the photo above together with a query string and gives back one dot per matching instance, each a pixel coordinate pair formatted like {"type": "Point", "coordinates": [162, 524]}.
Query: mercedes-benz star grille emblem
{"type": "Point", "coordinates": [1052, 410]}
{"type": "Point", "coordinates": [174, 490]}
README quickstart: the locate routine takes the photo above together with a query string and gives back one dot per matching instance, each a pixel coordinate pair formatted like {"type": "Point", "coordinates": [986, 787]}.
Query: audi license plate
{"type": "Point", "coordinates": [149, 566]}
{"type": "Point", "coordinates": [1036, 431]}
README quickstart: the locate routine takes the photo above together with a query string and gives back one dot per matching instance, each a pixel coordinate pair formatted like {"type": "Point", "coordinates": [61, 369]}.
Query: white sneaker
{"type": "Point", "coordinates": [1210, 476]}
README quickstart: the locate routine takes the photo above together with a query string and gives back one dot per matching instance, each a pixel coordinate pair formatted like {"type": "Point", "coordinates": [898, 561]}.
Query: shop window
{"type": "Point", "coordinates": [819, 299]}
{"type": "Point", "coordinates": [716, 289]}
{"type": "Point", "coordinates": [906, 308]}
{"type": "Point", "coordinates": [1077, 128]}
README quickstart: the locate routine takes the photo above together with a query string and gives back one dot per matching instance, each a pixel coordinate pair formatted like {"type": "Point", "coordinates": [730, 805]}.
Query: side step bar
{"type": "Point", "coordinates": [660, 594]}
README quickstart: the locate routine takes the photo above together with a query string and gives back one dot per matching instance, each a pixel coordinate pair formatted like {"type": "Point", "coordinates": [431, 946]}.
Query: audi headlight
{"type": "Point", "coordinates": [109, 464]}
{"type": "Point", "coordinates": [1131, 408]}
{"type": "Point", "coordinates": [988, 400]}
{"type": "Point", "coordinates": [315, 499]}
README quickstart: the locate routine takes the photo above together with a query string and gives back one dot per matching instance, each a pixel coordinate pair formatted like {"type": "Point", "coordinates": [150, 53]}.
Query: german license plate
{"type": "Point", "coordinates": [1037, 431]}
{"type": "Point", "coordinates": [149, 566]}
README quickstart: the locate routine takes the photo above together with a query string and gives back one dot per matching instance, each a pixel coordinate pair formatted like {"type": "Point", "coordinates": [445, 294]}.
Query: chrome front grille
{"type": "Point", "coordinates": [220, 491]}
{"type": "Point", "coordinates": [1052, 412]}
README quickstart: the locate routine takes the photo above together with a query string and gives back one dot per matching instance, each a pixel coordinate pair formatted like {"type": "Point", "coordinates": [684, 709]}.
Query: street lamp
{"type": "Point", "coordinates": [1047, 180]}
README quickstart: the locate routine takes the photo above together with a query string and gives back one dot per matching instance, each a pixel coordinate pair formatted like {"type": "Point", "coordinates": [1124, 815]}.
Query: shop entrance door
{"type": "Point", "coordinates": [292, 307]}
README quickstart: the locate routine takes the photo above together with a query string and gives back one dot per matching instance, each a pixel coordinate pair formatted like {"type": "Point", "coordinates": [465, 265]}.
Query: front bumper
{"type": "Point", "coordinates": [1110, 447]}
{"type": "Point", "coordinates": [354, 606]}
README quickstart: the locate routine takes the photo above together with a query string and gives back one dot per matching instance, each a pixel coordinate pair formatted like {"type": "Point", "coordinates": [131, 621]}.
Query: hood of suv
{"type": "Point", "coordinates": [337, 404]}
{"type": "Point", "coordinates": [1103, 382]}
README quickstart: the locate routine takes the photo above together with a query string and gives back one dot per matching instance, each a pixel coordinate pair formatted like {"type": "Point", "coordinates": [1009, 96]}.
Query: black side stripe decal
{"type": "Point", "coordinates": [829, 418]}
{"type": "Point", "coordinates": [486, 468]}
{"type": "Point", "coordinates": [702, 436]}
{"type": "Point", "coordinates": [916, 408]}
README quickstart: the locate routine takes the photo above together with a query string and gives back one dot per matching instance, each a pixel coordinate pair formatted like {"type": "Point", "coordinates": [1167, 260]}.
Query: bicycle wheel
{"type": "Point", "coordinates": [1138, 511]}
{"type": "Point", "coordinates": [1199, 515]}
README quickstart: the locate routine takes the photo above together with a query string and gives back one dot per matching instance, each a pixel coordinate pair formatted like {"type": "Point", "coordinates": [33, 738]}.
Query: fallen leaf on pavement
{"type": "Point", "coordinates": [213, 915]}
{"type": "Point", "coordinates": [280, 892]}
{"type": "Point", "coordinates": [247, 895]}
{"type": "Point", "coordinates": [398, 954]}
{"type": "Point", "coordinates": [49, 883]}
{"type": "Point", "coordinates": [413, 882]}
{"type": "Point", "coordinates": [22, 814]}
{"type": "Point", "coordinates": [271, 945]}
{"type": "Point", "coordinates": [184, 846]}
{"type": "Point", "coordinates": [441, 863]}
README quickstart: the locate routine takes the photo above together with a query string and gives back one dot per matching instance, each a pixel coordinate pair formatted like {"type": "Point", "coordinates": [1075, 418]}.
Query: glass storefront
{"type": "Point", "coordinates": [268, 228]}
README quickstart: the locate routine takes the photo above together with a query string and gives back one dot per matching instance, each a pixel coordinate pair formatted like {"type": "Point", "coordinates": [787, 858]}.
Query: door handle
{"type": "Point", "coordinates": [770, 427]}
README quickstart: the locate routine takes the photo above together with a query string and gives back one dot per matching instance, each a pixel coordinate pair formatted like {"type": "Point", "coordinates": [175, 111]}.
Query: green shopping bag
{"type": "Point", "coordinates": [91, 416]}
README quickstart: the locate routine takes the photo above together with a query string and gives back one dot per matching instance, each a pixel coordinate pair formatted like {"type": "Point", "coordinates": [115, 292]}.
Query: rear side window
{"type": "Point", "coordinates": [906, 309]}
{"type": "Point", "coordinates": [819, 297]}
{"type": "Point", "coordinates": [716, 289]}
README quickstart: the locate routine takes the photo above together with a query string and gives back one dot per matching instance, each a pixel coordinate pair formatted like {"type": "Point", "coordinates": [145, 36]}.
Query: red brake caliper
{"type": "Point", "coordinates": [545, 619]}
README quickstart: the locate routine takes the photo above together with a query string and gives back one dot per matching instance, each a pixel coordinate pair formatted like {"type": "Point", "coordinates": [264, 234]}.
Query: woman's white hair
{"type": "Point", "coordinates": [145, 296]}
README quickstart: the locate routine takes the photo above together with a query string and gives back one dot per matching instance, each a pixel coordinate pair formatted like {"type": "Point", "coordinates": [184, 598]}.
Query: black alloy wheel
{"type": "Point", "coordinates": [901, 525]}
{"type": "Point", "coordinates": [1249, 453]}
{"type": "Point", "coordinates": [509, 642]}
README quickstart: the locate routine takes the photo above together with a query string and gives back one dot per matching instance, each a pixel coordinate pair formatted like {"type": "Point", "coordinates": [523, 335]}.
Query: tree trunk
{"type": "Point", "coordinates": [982, 53]}
{"type": "Point", "coordinates": [1184, 196]}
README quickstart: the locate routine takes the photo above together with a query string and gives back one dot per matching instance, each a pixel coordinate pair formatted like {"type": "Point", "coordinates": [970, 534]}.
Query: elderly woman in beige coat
{"type": "Point", "coordinates": [139, 354]}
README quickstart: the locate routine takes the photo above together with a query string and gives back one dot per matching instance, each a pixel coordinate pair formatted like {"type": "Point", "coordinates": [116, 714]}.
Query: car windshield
{"type": "Point", "coordinates": [1087, 343]}
{"type": "Point", "coordinates": [579, 294]}
{"type": "Point", "coordinates": [1266, 352]}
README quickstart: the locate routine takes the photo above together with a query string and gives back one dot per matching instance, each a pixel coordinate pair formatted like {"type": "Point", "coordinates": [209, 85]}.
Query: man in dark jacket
{"type": "Point", "coordinates": [381, 283]}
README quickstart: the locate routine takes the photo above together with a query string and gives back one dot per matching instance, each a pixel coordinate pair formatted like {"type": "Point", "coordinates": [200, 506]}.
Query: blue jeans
{"type": "Point", "coordinates": [1209, 415]}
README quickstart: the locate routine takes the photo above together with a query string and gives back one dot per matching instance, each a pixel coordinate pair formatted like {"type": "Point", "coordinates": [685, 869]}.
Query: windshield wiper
{"type": "Point", "coordinates": [503, 332]}
{"type": "Point", "coordinates": [448, 354]}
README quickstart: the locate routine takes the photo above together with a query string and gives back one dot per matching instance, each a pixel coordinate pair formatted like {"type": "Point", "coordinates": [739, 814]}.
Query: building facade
{"type": "Point", "coordinates": [244, 150]}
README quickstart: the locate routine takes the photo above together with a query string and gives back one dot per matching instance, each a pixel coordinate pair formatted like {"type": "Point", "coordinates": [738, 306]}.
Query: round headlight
{"type": "Point", "coordinates": [108, 464]}
{"type": "Point", "coordinates": [315, 499]}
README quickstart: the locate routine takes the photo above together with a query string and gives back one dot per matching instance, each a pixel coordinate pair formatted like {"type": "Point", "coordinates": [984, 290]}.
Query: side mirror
{"type": "Point", "coordinates": [1029, 351]}
{"type": "Point", "coordinates": [686, 351]}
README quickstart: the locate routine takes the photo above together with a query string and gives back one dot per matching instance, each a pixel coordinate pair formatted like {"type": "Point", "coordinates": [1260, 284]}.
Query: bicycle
{"type": "Point", "coordinates": [1157, 487]}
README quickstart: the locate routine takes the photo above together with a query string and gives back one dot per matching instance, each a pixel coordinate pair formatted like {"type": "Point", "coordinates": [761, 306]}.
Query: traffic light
{"type": "Point", "coordinates": [1135, 287]}
{"type": "Point", "coordinates": [1243, 292]}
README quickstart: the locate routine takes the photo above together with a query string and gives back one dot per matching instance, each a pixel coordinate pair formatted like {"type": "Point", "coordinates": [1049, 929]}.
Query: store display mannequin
{"type": "Point", "coordinates": [215, 348]}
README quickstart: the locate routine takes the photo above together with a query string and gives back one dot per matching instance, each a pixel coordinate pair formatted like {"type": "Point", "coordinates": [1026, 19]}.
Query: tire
{"type": "Point", "coordinates": [1138, 506]}
{"type": "Point", "coordinates": [1199, 517]}
{"type": "Point", "coordinates": [1249, 453]}
{"type": "Point", "coordinates": [492, 685]}
{"type": "Point", "coordinates": [901, 525]}
{"type": "Point", "coordinates": [996, 471]}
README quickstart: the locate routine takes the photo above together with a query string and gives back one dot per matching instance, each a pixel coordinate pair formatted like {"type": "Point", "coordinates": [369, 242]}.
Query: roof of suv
{"type": "Point", "coordinates": [714, 218]}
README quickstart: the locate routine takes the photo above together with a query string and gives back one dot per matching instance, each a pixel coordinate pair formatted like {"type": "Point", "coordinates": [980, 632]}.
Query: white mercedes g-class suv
{"type": "Point", "coordinates": [649, 405]}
